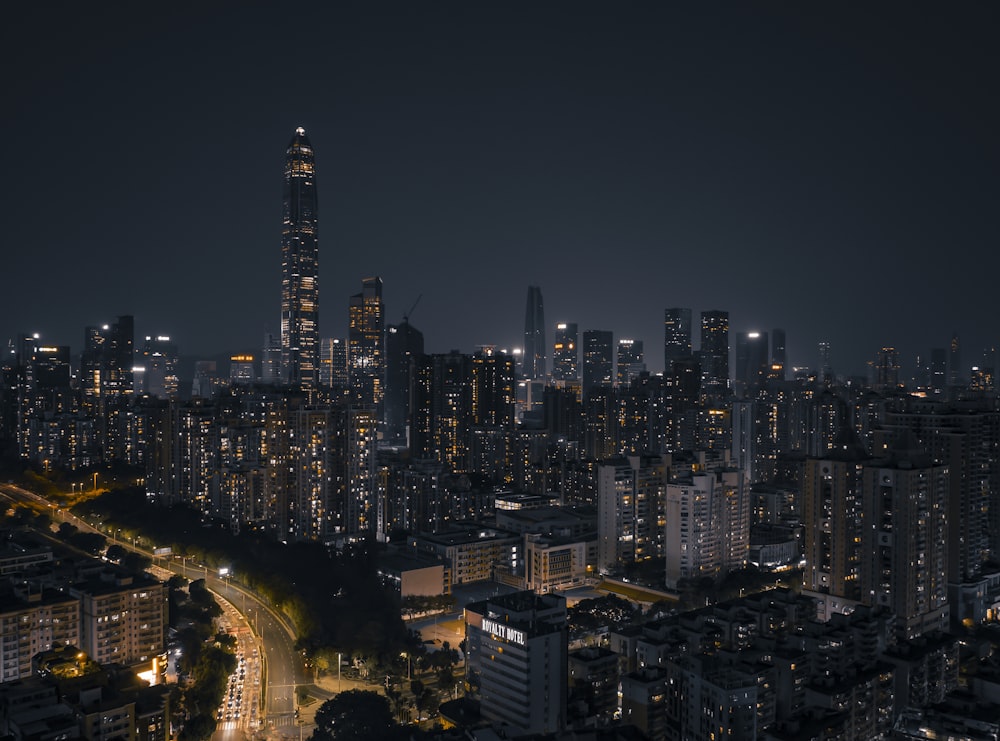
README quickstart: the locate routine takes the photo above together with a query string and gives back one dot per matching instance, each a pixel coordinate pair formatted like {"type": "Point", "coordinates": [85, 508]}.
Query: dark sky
{"type": "Point", "coordinates": [828, 168]}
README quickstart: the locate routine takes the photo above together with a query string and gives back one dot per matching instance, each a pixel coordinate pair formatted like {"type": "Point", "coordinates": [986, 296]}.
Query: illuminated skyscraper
{"type": "Point", "coordinates": [714, 354]}
{"type": "Point", "coordinates": [630, 361]}
{"type": "Point", "coordinates": [676, 337]}
{"type": "Point", "coordinates": [158, 363]}
{"type": "Point", "coordinates": [106, 383]}
{"type": "Point", "coordinates": [403, 343]}
{"type": "Point", "coordinates": [598, 359]}
{"type": "Point", "coordinates": [533, 365]}
{"type": "Point", "coordinates": [365, 344]}
{"type": "Point", "coordinates": [300, 267]}
{"type": "Point", "coordinates": [333, 363]}
{"type": "Point", "coordinates": [565, 353]}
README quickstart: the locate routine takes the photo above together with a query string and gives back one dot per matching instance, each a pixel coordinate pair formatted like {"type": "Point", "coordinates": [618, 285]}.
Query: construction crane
{"type": "Point", "coordinates": [406, 316]}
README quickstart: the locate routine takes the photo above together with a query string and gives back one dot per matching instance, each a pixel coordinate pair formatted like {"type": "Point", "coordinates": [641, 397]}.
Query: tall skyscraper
{"type": "Point", "coordinates": [630, 361]}
{"type": "Point", "coordinates": [779, 358]}
{"type": "Point", "coordinates": [565, 353]}
{"type": "Point", "coordinates": [676, 337]}
{"type": "Point", "coordinates": [825, 369]}
{"type": "Point", "coordinates": [714, 354]}
{"type": "Point", "coordinates": [333, 363]}
{"type": "Point", "coordinates": [403, 344]}
{"type": "Point", "coordinates": [955, 371]}
{"type": "Point", "coordinates": [533, 362]}
{"type": "Point", "coordinates": [158, 361]}
{"type": "Point", "coordinates": [598, 359]}
{"type": "Point", "coordinates": [365, 344]}
{"type": "Point", "coordinates": [107, 384]}
{"type": "Point", "coordinates": [300, 267]}
{"type": "Point", "coordinates": [751, 362]}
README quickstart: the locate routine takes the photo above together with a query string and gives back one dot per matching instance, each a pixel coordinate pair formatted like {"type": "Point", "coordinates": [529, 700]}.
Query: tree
{"type": "Point", "coordinates": [356, 715]}
{"type": "Point", "coordinates": [419, 691]}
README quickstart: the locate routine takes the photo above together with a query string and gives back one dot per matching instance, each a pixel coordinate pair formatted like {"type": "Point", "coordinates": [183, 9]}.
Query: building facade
{"type": "Point", "coordinates": [300, 266]}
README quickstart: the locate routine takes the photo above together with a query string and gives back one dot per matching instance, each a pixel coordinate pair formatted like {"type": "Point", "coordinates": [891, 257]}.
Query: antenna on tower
{"type": "Point", "coordinates": [406, 316]}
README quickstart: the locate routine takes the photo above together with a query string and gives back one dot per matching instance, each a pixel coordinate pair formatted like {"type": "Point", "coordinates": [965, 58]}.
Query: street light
{"type": "Point", "coordinates": [95, 482]}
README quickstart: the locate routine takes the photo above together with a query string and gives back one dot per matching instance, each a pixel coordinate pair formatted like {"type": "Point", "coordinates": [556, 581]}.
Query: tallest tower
{"type": "Point", "coordinates": [300, 267]}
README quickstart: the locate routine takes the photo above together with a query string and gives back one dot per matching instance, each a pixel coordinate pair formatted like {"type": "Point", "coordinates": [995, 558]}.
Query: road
{"type": "Point", "coordinates": [282, 668]}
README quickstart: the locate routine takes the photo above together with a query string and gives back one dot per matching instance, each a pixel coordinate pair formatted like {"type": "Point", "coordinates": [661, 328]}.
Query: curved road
{"type": "Point", "coordinates": [283, 666]}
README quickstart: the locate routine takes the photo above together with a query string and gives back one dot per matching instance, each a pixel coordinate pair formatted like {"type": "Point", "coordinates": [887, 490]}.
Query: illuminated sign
{"type": "Point", "coordinates": [507, 633]}
{"type": "Point", "coordinates": [241, 359]}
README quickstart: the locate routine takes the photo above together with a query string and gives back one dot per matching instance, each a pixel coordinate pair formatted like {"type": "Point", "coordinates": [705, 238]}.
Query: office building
{"type": "Point", "coordinates": [886, 370]}
{"type": "Point", "coordinates": [598, 359]}
{"type": "Point", "coordinates": [533, 364]}
{"type": "Point", "coordinates": [241, 369]}
{"type": "Point", "coordinates": [752, 365]}
{"type": "Point", "coordinates": [333, 364]}
{"type": "Point", "coordinates": [779, 355]}
{"type": "Point", "coordinates": [956, 373]}
{"type": "Point", "coordinates": [107, 384]}
{"type": "Point", "coordinates": [403, 343]}
{"type": "Point", "coordinates": [630, 361]}
{"type": "Point", "coordinates": [300, 267]}
{"type": "Point", "coordinates": [270, 360]}
{"type": "Point", "coordinates": [516, 660]}
{"type": "Point", "coordinates": [365, 344]}
{"type": "Point", "coordinates": [825, 369]}
{"type": "Point", "coordinates": [676, 337]}
{"type": "Point", "coordinates": [714, 356]}
{"type": "Point", "coordinates": [565, 353]}
{"type": "Point", "coordinates": [158, 363]}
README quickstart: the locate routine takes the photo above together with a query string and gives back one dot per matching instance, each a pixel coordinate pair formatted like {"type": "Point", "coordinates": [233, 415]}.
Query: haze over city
{"type": "Point", "coordinates": [828, 170]}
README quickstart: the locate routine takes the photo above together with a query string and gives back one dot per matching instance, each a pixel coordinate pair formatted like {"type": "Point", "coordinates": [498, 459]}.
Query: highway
{"type": "Point", "coordinates": [256, 625]}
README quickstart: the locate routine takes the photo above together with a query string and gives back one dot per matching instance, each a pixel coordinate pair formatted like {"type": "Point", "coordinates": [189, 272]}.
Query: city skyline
{"type": "Point", "coordinates": [623, 162]}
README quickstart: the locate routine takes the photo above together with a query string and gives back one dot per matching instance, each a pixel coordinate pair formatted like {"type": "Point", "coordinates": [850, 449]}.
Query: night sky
{"type": "Point", "coordinates": [828, 168]}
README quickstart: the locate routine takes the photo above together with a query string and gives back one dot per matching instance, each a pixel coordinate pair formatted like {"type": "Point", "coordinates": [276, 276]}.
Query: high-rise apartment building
{"type": "Point", "coordinates": [300, 267]}
{"type": "Point", "coordinates": [707, 517]}
{"type": "Point", "coordinates": [492, 389]}
{"type": "Point", "coordinates": [631, 494]}
{"type": "Point", "coordinates": [533, 357]}
{"type": "Point", "coordinates": [714, 355]}
{"type": "Point", "coordinates": [832, 513]}
{"type": "Point", "coordinates": [967, 439]}
{"type": "Point", "coordinates": [905, 546]}
{"type": "Point", "coordinates": [676, 337]}
{"type": "Point", "coordinates": [598, 359]}
{"type": "Point", "coordinates": [366, 344]}
{"type": "Point", "coordinates": [566, 353]}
